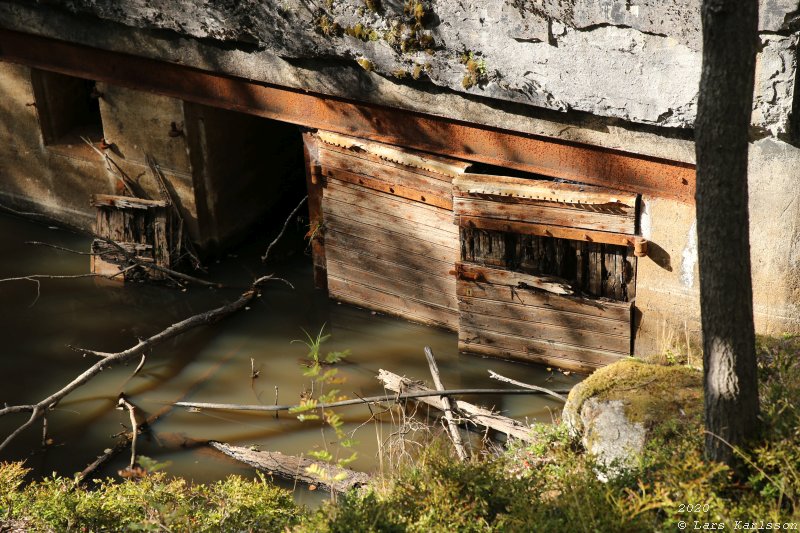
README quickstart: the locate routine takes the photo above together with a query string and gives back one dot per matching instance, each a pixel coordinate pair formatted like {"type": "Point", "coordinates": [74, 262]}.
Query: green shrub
{"type": "Point", "coordinates": [152, 503]}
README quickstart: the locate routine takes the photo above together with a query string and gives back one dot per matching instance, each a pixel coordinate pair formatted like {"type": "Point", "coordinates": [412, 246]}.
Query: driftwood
{"type": "Point", "coordinates": [421, 393]}
{"type": "Point", "coordinates": [498, 377]}
{"type": "Point", "coordinates": [38, 410]}
{"type": "Point", "coordinates": [467, 411]}
{"type": "Point", "coordinates": [452, 427]}
{"type": "Point", "coordinates": [334, 479]}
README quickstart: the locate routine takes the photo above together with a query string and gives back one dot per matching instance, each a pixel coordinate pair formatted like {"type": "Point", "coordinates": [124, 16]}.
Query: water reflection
{"type": "Point", "coordinates": [212, 364]}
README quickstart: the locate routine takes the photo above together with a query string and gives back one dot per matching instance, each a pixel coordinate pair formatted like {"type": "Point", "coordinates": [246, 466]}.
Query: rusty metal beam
{"type": "Point", "coordinates": [571, 161]}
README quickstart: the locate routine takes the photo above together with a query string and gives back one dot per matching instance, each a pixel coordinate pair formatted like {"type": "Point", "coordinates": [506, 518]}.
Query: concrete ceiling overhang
{"type": "Point", "coordinates": [559, 159]}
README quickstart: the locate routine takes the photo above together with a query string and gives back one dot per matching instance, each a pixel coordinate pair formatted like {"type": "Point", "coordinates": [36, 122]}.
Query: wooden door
{"type": "Point", "coordinates": [546, 272]}
{"type": "Point", "coordinates": [386, 227]}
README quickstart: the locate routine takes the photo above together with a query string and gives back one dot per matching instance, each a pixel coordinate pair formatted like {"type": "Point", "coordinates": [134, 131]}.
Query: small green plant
{"type": "Point", "coordinates": [322, 383]}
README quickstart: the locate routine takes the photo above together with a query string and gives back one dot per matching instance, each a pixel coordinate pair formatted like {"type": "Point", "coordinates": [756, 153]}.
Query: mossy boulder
{"type": "Point", "coordinates": [617, 410]}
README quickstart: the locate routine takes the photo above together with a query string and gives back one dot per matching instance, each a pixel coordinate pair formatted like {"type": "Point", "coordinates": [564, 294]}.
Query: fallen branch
{"type": "Point", "coordinates": [554, 394]}
{"type": "Point", "coordinates": [295, 468]}
{"type": "Point", "coordinates": [283, 229]}
{"type": "Point", "coordinates": [183, 240]}
{"type": "Point", "coordinates": [123, 403]}
{"type": "Point", "coordinates": [37, 410]}
{"type": "Point", "coordinates": [423, 393]}
{"type": "Point", "coordinates": [477, 415]}
{"type": "Point", "coordinates": [452, 427]}
{"type": "Point", "coordinates": [151, 420]}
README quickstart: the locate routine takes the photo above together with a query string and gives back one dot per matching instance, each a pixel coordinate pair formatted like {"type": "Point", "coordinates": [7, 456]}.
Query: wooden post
{"type": "Point", "coordinates": [448, 408]}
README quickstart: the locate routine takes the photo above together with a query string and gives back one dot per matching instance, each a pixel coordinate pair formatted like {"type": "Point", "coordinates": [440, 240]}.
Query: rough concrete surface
{"type": "Point", "coordinates": [637, 61]}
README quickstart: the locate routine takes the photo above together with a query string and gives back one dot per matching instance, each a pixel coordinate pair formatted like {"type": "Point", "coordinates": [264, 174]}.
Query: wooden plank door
{"type": "Point", "coordinates": [390, 243]}
{"type": "Point", "coordinates": [546, 271]}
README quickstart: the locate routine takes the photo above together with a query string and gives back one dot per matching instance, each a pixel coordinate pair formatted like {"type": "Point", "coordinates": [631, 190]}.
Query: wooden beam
{"type": "Point", "coordinates": [550, 157]}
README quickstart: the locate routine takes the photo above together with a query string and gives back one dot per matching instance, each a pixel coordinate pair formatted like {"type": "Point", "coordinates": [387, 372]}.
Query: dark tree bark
{"type": "Point", "coordinates": [730, 38]}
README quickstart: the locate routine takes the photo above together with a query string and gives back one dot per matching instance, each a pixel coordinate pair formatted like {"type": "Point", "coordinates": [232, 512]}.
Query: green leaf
{"type": "Point", "coordinates": [347, 461]}
{"type": "Point", "coordinates": [322, 455]}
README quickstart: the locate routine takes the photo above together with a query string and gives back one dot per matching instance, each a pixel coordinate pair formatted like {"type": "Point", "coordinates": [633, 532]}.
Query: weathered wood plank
{"type": "Point", "coordinates": [545, 214]}
{"type": "Point", "coordinates": [386, 203]}
{"type": "Point", "coordinates": [514, 355]}
{"type": "Point", "coordinates": [161, 236]}
{"type": "Point", "coordinates": [404, 307]}
{"type": "Point", "coordinates": [600, 308]}
{"type": "Point", "coordinates": [537, 349]}
{"type": "Point", "coordinates": [530, 313]}
{"type": "Point", "coordinates": [484, 247]}
{"type": "Point", "coordinates": [124, 202]}
{"type": "Point", "coordinates": [418, 270]}
{"type": "Point", "coordinates": [335, 478]}
{"type": "Point", "coordinates": [520, 281]}
{"type": "Point", "coordinates": [545, 230]}
{"type": "Point", "coordinates": [546, 332]}
{"type": "Point", "coordinates": [505, 187]}
{"type": "Point", "coordinates": [595, 269]}
{"type": "Point", "coordinates": [316, 233]}
{"type": "Point", "coordinates": [437, 291]}
{"type": "Point", "coordinates": [383, 177]}
{"type": "Point", "coordinates": [427, 198]}
{"type": "Point", "coordinates": [386, 243]}
{"type": "Point", "coordinates": [433, 165]}
{"type": "Point", "coordinates": [629, 265]}
{"type": "Point", "coordinates": [336, 210]}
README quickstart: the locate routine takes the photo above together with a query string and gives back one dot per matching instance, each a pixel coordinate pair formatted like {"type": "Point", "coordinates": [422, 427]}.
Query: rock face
{"type": "Point", "coordinates": [639, 61]}
{"type": "Point", "coordinates": [618, 409]}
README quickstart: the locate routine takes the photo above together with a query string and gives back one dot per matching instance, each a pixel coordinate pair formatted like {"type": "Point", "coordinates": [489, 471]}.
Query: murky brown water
{"type": "Point", "coordinates": [35, 360]}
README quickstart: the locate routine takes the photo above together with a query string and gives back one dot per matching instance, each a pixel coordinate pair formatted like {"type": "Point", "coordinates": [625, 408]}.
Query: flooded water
{"type": "Point", "coordinates": [211, 364]}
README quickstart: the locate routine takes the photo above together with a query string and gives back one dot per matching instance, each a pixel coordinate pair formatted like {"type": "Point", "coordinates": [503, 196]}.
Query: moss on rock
{"type": "Point", "coordinates": [650, 392]}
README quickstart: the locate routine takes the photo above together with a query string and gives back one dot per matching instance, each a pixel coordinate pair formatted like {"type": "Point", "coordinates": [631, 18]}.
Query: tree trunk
{"type": "Point", "coordinates": [726, 294]}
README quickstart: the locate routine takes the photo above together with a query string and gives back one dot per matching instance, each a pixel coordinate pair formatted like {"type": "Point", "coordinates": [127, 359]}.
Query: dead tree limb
{"type": "Point", "coordinates": [452, 427]}
{"type": "Point", "coordinates": [151, 420]}
{"type": "Point", "coordinates": [419, 393]}
{"type": "Point", "coordinates": [554, 394]}
{"type": "Point", "coordinates": [109, 359]}
{"type": "Point", "coordinates": [283, 229]}
{"type": "Point", "coordinates": [467, 411]}
{"type": "Point", "coordinates": [155, 169]}
{"type": "Point", "coordinates": [335, 478]}
{"type": "Point", "coordinates": [123, 403]}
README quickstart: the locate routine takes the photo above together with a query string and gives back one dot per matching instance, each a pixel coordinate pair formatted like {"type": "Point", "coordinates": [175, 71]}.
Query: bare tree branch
{"type": "Point", "coordinates": [498, 377]}
{"type": "Point", "coordinates": [109, 359]}
{"type": "Point", "coordinates": [344, 403]}
{"type": "Point", "coordinates": [283, 229]}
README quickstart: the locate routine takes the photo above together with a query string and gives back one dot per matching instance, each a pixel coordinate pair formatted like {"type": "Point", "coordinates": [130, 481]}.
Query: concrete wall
{"type": "Point", "coordinates": [223, 169]}
{"type": "Point", "coordinates": [667, 294]}
{"type": "Point", "coordinates": [639, 61]}
{"type": "Point", "coordinates": [56, 180]}
{"type": "Point", "coordinates": [609, 73]}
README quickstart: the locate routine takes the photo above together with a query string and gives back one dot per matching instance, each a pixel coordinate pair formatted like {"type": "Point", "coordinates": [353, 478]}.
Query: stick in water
{"type": "Point", "coordinates": [452, 427]}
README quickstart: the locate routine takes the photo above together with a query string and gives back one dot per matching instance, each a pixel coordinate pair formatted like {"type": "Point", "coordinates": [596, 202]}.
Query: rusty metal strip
{"type": "Point", "coordinates": [570, 161]}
